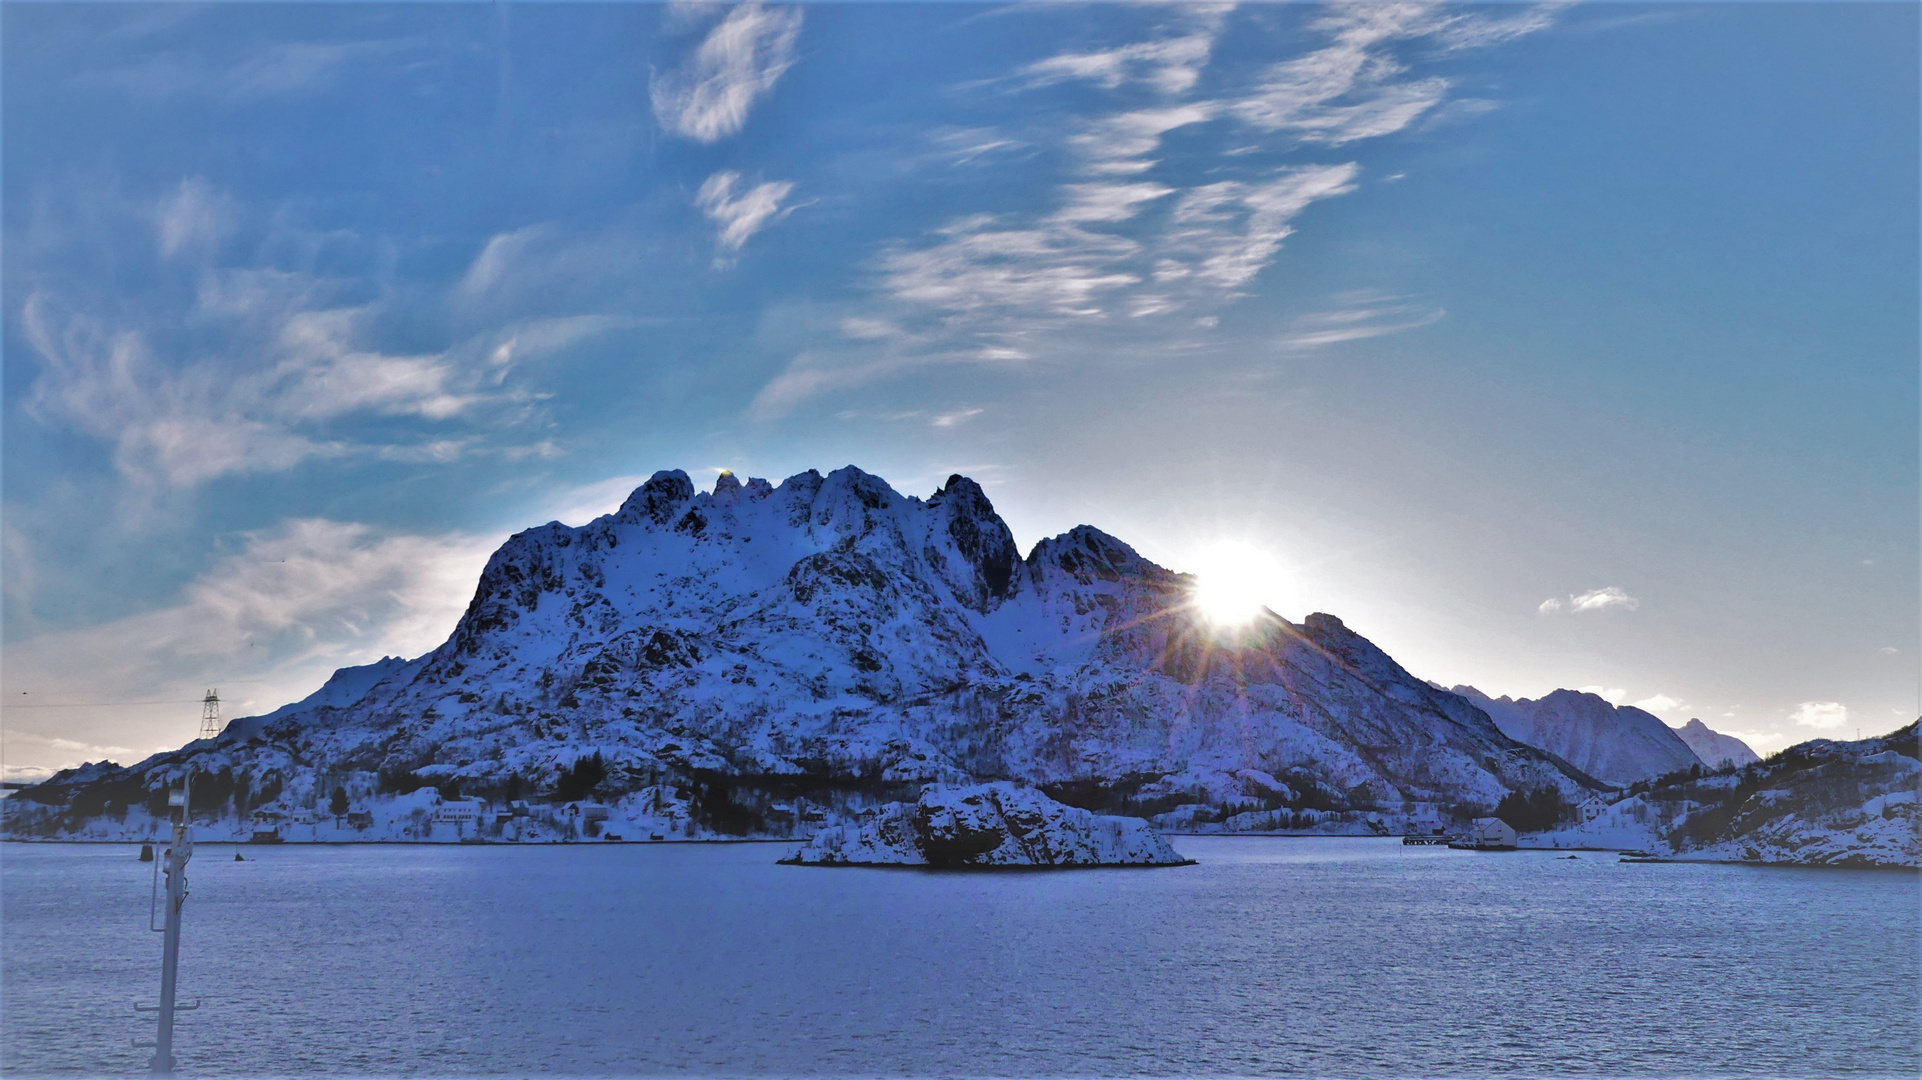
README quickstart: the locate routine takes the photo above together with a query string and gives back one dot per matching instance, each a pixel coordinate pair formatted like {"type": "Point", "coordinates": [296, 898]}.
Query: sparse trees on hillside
{"type": "Point", "coordinates": [1537, 811]}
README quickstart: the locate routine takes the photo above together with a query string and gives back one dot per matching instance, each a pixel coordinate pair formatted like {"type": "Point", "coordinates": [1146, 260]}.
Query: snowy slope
{"type": "Point", "coordinates": [1817, 803]}
{"type": "Point", "coordinates": [744, 658]}
{"type": "Point", "coordinates": [1821, 802]}
{"type": "Point", "coordinates": [1617, 743]}
{"type": "Point", "coordinates": [987, 825]}
{"type": "Point", "coordinates": [1714, 748]}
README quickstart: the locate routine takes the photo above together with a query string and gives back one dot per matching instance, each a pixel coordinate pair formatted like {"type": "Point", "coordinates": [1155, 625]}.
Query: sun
{"type": "Point", "coordinates": [1233, 581]}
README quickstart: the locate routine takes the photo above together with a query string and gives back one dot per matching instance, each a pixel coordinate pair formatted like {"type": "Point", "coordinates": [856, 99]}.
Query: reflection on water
{"type": "Point", "coordinates": [1348, 957]}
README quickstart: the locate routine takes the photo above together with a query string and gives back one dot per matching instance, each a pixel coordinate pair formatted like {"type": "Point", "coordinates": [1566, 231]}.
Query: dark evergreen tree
{"type": "Point", "coordinates": [579, 780]}
{"type": "Point", "coordinates": [1535, 811]}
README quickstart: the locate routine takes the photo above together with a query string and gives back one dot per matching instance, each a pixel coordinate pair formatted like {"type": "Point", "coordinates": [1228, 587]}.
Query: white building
{"type": "Point", "coordinates": [1491, 832]}
{"type": "Point", "coordinates": [461, 812]}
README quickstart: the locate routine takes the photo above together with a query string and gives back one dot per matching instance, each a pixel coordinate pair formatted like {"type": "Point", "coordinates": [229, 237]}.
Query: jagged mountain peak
{"type": "Point", "coordinates": [658, 500]}
{"type": "Point", "coordinates": [1617, 743]}
{"type": "Point", "coordinates": [1088, 555]}
{"type": "Point", "coordinates": [1714, 748]}
{"type": "Point", "coordinates": [833, 632]}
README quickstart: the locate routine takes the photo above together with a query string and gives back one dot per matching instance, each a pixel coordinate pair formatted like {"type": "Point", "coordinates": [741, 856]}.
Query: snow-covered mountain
{"type": "Point", "coordinates": [1714, 748]}
{"type": "Point", "coordinates": [753, 658]}
{"type": "Point", "coordinates": [1617, 743]}
{"type": "Point", "coordinates": [1817, 803]}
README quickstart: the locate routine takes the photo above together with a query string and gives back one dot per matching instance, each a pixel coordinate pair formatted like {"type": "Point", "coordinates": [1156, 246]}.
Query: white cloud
{"type": "Point", "coordinates": [1603, 599]}
{"type": "Point", "coordinates": [955, 417]}
{"type": "Point", "coordinates": [966, 146]}
{"type": "Point", "coordinates": [740, 60]}
{"type": "Point", "coordinates": [1593, 600]}
{"type": "Point", "coordinates": [1355, 87]}
{"type": "Point", "coordinates": [980, 263]}
{"type": "Point", "coordinates": [808, 376]}
{"type": "Point", "coordinates": [1119, 144]}
{"type": "Point", "coordinates": [1170, 64]}
{"type": "Point", "coordinates": [267, 367]}
{"type": "Point", "coordinates": [740, 216]}
{"type": "Point", "coordinates": [1887, 650]}
{"type": "Point", "coordinates": [549, 270]}
{"type": "Point", "coordinates": [1118, 244]}
{"type": "Point", "coordinates": [1820, 715]}
{"type": "Point", "coordinates": [267, 624]}
{"type": "Point", "coordinates": [277, 70]}
{"type": "Point", "coordinates": [194, 217]}
{"type": "Point", "coordinates": [1660, 703]}
{"type": "Point", "coordinates": [183, 423]}
{"type": "Point", "coordinates": [1363, 316]}
{"type": "Point", "coordinates": [1107, 202]}
{"type": "Point", "coordinates": [1225, 233]}
{"type": "Point", "coordinates": [1611, 694]}
{"type": "Point", "coordinates": [1216, 237]}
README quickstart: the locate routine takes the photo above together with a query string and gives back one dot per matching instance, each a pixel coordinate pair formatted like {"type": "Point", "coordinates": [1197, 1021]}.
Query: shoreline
{"type": "Point", "coordinates": [1880, 867]}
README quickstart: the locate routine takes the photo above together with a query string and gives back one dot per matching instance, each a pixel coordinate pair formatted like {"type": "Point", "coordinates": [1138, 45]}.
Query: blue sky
{"type": "Point", "coordinates": [1546, 345]}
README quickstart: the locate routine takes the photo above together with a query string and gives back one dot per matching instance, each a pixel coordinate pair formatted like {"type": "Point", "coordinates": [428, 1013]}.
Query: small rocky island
{"type": "Point", "coordinates": [987, 825]}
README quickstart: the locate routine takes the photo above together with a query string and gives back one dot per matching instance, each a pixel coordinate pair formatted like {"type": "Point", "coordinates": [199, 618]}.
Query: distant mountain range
{"type": "Point", "coordinates": [750, 658]}
{"type": "Point", "coordinates": [1616, 743]}
{"type": "Point", "coordinates": [1714, 748]}
{"type": "Point", "coordinates": [1619, 744]}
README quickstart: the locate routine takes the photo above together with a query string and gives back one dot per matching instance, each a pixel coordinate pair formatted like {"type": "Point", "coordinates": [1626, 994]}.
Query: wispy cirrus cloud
{"type": "Point", "coordinates": [1355, 87]}
{"type": "Point", "coordinates": [267, 623]}
{"type": "Point", "coordinates": [179, 423]}
{"type": "Point", "coordinates": [1357, 317]}
{"type": "Point", "coordinates": [255, 366]}
{"type": "Point", "coordinates": [741, 215]}
{"type": "Point", "coordinates": [708, 97]}
{"type": "Point", "coordinates": [1159, 212]}
{"type": "Point", "coordinates": [193, 219]}
{"type": "Point", "coordinates": [1170, 62]}
{"type": "Point", "coordinates": [278, 70]}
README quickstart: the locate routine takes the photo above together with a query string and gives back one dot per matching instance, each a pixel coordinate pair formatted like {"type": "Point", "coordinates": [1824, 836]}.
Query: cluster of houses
{"type": "Point", "coordinates": [467, 815]}
{"type": "Point", "coordinates": [1494, 834]}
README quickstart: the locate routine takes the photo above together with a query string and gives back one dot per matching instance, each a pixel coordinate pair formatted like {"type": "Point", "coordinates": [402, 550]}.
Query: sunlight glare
{"type": "Point", "coordinates": [1235, 580]}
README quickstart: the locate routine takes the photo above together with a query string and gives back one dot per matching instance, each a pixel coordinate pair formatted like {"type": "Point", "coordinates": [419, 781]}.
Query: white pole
{"type": "Point", "coordinates": [177, 856]}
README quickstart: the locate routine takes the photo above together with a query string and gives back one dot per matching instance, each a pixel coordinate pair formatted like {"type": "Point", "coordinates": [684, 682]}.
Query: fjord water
{"type": "Point", "coordinates": [1272, 956]}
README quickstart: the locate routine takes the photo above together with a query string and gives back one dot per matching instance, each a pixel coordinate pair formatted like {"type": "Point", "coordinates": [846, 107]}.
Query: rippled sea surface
{"type": "Point", "coordinates": [1277, 957]}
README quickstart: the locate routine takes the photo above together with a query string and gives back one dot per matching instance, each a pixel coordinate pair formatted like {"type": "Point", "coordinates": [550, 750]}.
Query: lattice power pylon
{"type": "Point", "coordinates": [210, 715]}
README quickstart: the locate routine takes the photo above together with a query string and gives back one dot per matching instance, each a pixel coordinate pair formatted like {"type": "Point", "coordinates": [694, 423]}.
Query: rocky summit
{"type": "Point", "coordinates": [762, 659]}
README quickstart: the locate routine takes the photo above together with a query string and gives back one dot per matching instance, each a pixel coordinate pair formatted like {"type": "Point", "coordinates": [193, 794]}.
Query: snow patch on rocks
{"type": "Point", "coordinates": [1000, 824]}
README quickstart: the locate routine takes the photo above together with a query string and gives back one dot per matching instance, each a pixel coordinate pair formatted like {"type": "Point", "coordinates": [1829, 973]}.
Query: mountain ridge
{"type": "Point", "coordinates": [830, 640]}
{"type": "Point", "coordinates": [1616, 743]}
